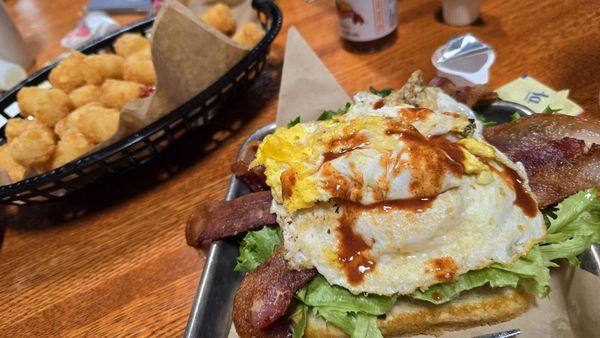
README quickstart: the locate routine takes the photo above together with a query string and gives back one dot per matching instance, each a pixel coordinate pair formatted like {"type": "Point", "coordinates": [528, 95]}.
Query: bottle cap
{"type": "Point", "coordinates": [460, 12]}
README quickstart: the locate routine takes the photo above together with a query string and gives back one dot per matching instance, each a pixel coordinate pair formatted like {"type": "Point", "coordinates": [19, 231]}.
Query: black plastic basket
{"type": "Point", "coordinates": [146, 143]}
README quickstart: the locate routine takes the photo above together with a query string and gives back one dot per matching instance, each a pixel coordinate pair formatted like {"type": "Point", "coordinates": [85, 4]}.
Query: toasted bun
{"type": "Point", "coordinates": [410, 317]}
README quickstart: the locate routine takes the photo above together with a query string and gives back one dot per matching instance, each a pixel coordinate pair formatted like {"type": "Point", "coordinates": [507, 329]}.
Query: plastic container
{"type": "Point", "coordinates": [10, 74]}
{"type": "Point", "coordinates": [460, 12]}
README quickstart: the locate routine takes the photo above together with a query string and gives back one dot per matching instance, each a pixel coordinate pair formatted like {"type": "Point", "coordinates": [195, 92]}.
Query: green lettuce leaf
{"type": "Point", "coordinates": [319, 293]}
{"type": "Point", "coordinates": [293, 122]}
{"type": "Point", "coordinates": [356, 315]}
{"type": "Point", "coordinates": [301, 310]}
{"type": "Point", "coordinates": [356, 325]}
{"type": "Point", "coordinates": [383, 93]}
{"type": "Point", "coordinates": [257, 247]}
{"type": "Point", "coordinates": [484, 120]}
{"type": "Point", "coordinates": [528, 272]}
{"type": "Point", "coordinates": [329, 114]}
{"type": "Point", "coordinates": [574, 227]}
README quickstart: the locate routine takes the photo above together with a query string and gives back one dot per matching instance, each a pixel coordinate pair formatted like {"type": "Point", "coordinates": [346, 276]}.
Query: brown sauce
{"type": "Point", "coordinates": [414, 114]}
{"type": "Point", "coordinates": [454, 152]}
{"type": "Point", "coordinates": [331, 155]}
{"type": "Point", "coordinates": [340, 146]}
{"type": "Point", "coordinates": [444, 269]}
{"type": "Point", "coordinates": [288, 181]}
{"type": "Point", "coordinates": [417, 204]}
{"type": "Point", "coordinates": [353, 251]}
{"type": "Point", "coordinates": [378, 104]}
{"type": "Point", "coordinates": [522, 199]}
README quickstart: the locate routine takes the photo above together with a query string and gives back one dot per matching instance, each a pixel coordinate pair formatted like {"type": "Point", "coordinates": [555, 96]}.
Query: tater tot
{"type": "Point", "coordinates": [71, 145]}
{"type": "Point", "coordinates": [26, 98]}
{"type": "Point", "coordinates": [7, 163]}
{"type": "Point", "coordinates": [116, 93]}
{"type": "Point", "coordinates": [46, 105]}
{"type": "Point", "coordinates": [72, 72]}
{"type": "Point", "coordinates": [130, 43]}
{"type": "Point", "coordinates": [15, 127]}
{"type": "Point", "coordinates": [95, 122]}
{"type": "Point", "coordinates": [84, 95]}
{"type": "Point", "coordinates": [249, 34]}
{"type": "Point", "coordinates": [144, 54]}
{"type": "Point", "coordinates": [220, 17]}
{"type": "Point", "coordinates": [33, 148]}
{"type": "Point", "coordinates": [110, 66]}
{"type": "Point", "coordinates": [139, 70]}
{"type": "Point", "coordinates": [63, 126]}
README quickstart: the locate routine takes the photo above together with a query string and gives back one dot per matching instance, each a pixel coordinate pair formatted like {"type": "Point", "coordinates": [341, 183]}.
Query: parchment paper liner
{"type": "Point", "coordinates": [572, 310]}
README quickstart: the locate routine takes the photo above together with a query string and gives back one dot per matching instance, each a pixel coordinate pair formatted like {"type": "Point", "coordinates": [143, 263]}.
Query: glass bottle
{"type": "Point", "coordinates": [367, 26]}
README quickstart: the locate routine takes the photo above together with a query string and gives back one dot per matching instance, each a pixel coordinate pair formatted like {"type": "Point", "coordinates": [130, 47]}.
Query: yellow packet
{"type": "Point", "coordinates": [537, 96]}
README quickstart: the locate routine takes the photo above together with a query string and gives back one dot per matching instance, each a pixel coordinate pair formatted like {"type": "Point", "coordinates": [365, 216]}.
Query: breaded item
{"type": "Point", "coordinates": [477, 307]}
{"type": "Point", "coordinates": [249, 34]}
{"type": "Point", "coordinates": [144, 54]}
{"type": "Point", "coordinates": [84, 95]}
{"type": "Point", "coordinates": [130, 43]}
{"type": "Point", "coordinates": [26, 98]}
{"type": "Point", "coordinates": [15, 127]}
{"type": "Point", "coordinates": [47, 105]}
{"type": "Point", "coordinates": [220, 17]}
{"type": "Point", "coordinates": [66, 124]}
{"type": "Point", "coordinates": [71, 145]}
{"type": "Point", "coordinates": [110, 66]}
{"type": "Point", "coordinates": [116, 93]}
{"type": "Point", "coordinates": [33, 148]}
{"type": "Point", "coordinates": [7, 163]}
{"type": "Point", "coordinates": [140, 70]}
{"type": "Point", "coordinates": [94, 121]}
{"type": "Point", "coordinates": [72, 72]}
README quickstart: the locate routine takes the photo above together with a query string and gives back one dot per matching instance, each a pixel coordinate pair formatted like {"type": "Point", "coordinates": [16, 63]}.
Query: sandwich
{"type": "Point", "coordinates": [391, 216]}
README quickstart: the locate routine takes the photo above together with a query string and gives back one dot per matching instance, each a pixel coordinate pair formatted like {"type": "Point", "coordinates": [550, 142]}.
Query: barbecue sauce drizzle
{"type": "Point", "coordinates": [353, 250]}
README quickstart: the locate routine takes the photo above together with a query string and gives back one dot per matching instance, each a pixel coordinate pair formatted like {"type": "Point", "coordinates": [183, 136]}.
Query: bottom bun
{"type": "Point", "coordinates": [481, 306]}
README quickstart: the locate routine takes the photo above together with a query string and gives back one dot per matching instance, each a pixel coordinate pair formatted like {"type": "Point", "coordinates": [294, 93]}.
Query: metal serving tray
{"type": "Point", "coordinates": [211, 310]}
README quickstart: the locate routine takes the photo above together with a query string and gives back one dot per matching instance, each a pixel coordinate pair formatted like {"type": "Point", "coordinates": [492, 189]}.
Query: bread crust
{"type": "Point", "coordinates": [481, 306]}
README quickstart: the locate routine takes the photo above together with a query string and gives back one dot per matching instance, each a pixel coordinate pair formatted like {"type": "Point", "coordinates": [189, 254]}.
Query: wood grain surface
{"type": "Point", "coordinates": [113, 260]}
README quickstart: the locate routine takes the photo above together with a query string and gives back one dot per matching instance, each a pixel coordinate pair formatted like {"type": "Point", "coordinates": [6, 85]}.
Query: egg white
{"type": "Point", "coordinates": [474, 225]}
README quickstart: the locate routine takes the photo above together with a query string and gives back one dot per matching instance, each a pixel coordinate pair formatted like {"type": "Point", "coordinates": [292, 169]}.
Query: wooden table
{"type": "Point", "coordinates": [113, 261]}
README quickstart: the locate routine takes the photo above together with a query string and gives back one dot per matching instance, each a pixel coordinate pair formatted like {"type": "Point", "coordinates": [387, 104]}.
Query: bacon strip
{"type": "Point", "coordinates": [266, 293]}
{"type": "Point", "coordinates": [467, 95]}
{"type": "Point", "coordinates": [536, 130]}
{"type": "Point", "coordinates": [561, 168]}
{"type": "Point", "coordinates": [219, 219]}
{"type": "Point", "coordinates": [254, 178]}
{"type": "Point", "coordinates": [560, 153]}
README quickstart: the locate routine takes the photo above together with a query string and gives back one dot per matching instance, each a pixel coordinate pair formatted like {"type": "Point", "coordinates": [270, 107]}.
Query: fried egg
{"type": "Point", "coordinates": [389, 198]}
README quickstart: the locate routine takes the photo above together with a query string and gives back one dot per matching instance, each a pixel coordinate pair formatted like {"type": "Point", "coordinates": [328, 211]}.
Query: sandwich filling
{"type": "Point", "coordinates": [386, 200]}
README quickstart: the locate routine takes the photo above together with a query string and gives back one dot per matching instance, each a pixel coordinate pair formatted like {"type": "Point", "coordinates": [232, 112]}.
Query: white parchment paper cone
{"type": "Point", "coordinates": [307, 86]}
{"type": "Point", "coordinates": [188, 56]}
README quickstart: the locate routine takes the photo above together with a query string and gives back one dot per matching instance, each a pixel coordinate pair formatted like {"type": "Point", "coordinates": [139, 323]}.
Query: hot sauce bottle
{"type": "Point", "coordinates": [367, 26]}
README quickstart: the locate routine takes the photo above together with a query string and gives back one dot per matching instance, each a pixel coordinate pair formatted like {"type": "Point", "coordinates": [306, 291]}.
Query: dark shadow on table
{"type": "Point", "coordinates": [182, 154]}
